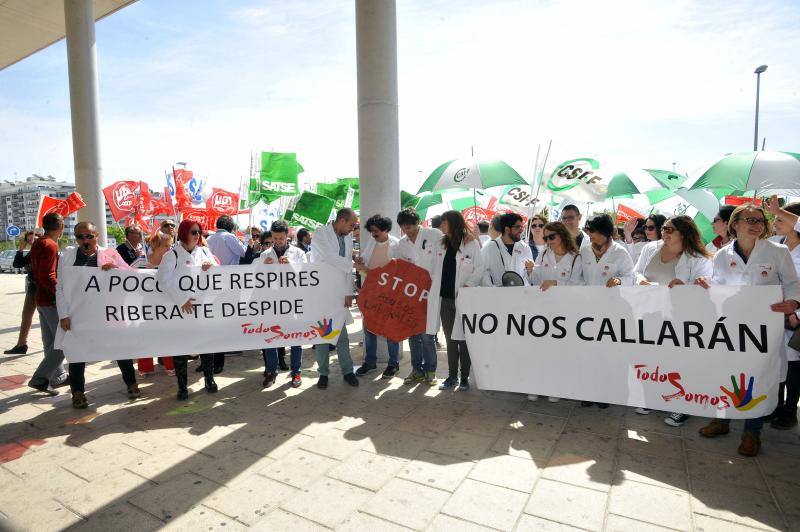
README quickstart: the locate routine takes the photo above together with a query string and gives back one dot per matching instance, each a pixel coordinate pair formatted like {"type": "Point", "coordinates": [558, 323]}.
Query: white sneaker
{"type": "Point", "coordinates": [643, 411]}
{"type": "Point", "coordinates": [554, 399]}
{"type": "Point", "coordinates": [533, 397]}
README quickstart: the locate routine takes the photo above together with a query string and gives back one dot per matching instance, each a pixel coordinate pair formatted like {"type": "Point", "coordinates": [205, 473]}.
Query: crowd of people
{"type": "Point", "coordinates": [456, 254]}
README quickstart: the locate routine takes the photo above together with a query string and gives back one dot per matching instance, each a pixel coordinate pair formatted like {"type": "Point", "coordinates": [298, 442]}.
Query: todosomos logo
{"type": "Point", "coordinates": [124, 197]}
{"type": "Point", "coordinates": [742, 396]}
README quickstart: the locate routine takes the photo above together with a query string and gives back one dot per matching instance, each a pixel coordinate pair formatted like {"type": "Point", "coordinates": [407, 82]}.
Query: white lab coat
{"type": "Point", "coordinates": [792, 354]}
{"type": "Point", "coordinates": [422, 253]}
{"type": "Point", "coordinates": [293, 254]}
{"type": "Point", "coordinates": [469, 272]}
{"type": "Point", "coordinates": [177, 262]}
{"type": "Point", "coordinates": [615, 262]}
{"type": "Point", "coordinates": [635, 249]}
{"type": "Point", "coordinates": [688, 268]}
{"type": "Point", "coordinates": [326, 249]}
{"type": "Point", "coordinates": [497, 261]}
{"type": "Point", "coordinates": [566, 271]}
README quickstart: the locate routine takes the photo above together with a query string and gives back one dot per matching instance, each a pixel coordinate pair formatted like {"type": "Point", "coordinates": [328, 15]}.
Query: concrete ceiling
{"type": "Point", "coordinates": [27, 26]}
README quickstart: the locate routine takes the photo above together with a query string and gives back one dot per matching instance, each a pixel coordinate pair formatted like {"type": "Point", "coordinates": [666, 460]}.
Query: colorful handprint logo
{"type": "Point", "coordinates": [742, 396]}
{"type": "Point", "coordinates": [325, 329]}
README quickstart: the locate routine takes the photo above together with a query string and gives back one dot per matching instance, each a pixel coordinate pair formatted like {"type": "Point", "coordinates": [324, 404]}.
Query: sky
{"type": "Point", "coordinates": [641, 84]}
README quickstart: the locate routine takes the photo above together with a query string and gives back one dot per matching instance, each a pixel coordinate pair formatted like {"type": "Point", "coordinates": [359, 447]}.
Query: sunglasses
{"type": "Point", "coordinates": [651, 227]}
{"type": "Point", "coordinates": [537, 226]}
{"type": "Point", "coordinates": [84, 237]}
{"type": "Point", "coordinates": [195, 232]}
{"type": "Point", "coordinates": [668, 229]}
{"type": "Point", "coordinates": [753, 221]}
{"type": "Point", "coordinates": [551, 236]}
{"type": "Point", "coordinates": [167, 225]}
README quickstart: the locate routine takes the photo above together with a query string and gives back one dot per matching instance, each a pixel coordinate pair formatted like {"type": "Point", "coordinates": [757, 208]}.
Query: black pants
{"type": "Point", "coordinates": [206, 360]}
{"type": "Point", "coordinates": [217, 360]}
{"type": "Point", "coordinates": [792, 386]}
{"type": "Point", "coordinates": [77, 374]}
{"type": "Point", "coordinates": [456, 349]}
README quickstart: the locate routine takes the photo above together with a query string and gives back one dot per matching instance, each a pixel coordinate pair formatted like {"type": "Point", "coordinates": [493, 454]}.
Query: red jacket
{"type": "Point", "coordinates": [44, 259]}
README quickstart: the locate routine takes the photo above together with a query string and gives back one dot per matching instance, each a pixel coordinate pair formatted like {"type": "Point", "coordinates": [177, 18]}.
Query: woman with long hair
{"type": "Point", "coordinates": [536, 235]}
{"type": "Point", "coordinates": [652, 230]}
{"type": "Point", "coordinates": [187, 254]}
{"type": "Point", "coordinates": [720, 226]}
{"type": "Point", "coordinates": [459, 264]}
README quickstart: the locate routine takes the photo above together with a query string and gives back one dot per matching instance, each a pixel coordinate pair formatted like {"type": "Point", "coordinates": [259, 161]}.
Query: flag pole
{"type": "Point", "coordinates": [541, 169]}
{"type": "Point", "coordinates": [531, 202]}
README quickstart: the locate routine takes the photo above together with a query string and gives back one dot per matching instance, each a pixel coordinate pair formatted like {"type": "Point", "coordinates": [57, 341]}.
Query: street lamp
{"type": "Point", "coordinates": [758, 72]}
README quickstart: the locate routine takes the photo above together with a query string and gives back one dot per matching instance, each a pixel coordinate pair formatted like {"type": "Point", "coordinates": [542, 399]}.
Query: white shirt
{"type": "Point", "coordinates": [326, 249]}
{"type": "Point", "coordinates": [226, 247]}
{"type": "Point", "coordinates": [177, 262]}
{"type": "Point", "coordinates": [565, 271]}
{"type": "Point", "coordinates": [422, 251]}
{"type": "Point", "coordinates": [293, 254]}
{"type": "Point", "coordinates": [615, 262]}
{"type": "Point", "coordinates": [769, 264]}
{"type": "Point", "coordinates": [469, 272]}
{"type": "Point", "coordinates": [687, 270]}
{"type": "Point", "coordinates": [484, 239]}
{"type": "Point", "coordinates": [497, 260]}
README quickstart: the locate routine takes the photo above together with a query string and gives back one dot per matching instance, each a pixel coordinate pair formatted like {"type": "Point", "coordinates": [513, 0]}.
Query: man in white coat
{"type": "Point", "coordinates": [333, 245]}
{"type": "Point", "coordinates": [571, 217]}
{"type": "Point", "coordinates": [506, 253]}
{"type": "Point", "coordinates": [418, 246]}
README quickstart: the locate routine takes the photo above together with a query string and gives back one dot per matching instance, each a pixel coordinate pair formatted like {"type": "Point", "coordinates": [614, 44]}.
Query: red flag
{"type": "Point", "coordinates": [741, 200]}
{"type": "Point", "coordinates": [75, 202]}
{"type": "Point", "coordinates": [121, 198]}
{"type": "Point", "coordinates": [168, 201]}
{"type": "Point", "coordinates": [145, 203]}
{"type": "Point", "coordinates": [222, 202]}
{"type": "Point", "coordinates": [64, 207]}
{"type": "Point", "coordinates": [626, 213]}
{"type": "Point", "coordinates": [197, 215]}
{"type": "Point", "coordinates": [182, 198]}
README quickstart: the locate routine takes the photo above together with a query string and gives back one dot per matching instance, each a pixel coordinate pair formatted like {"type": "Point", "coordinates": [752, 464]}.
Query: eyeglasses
{"type": "Point", "coordinates": [195, 232]}
{"type": "Point", "coordinates": [651, 227]}
{"type": "Point", "coordinates": [551, 236]}
{"type": "Point", "coordinates": [753, 221]}
{"type": "Point", "coordinates": [84, 237]}
{"type": "Point", "coordinates": [668, 229]}
{"type": "Point", "coordinates": [537, 226]}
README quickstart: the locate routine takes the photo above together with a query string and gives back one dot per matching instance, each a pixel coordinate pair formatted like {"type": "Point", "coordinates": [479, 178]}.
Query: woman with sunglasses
{"type": "Point", "coordinates": [536, 236]}
{"type": "Point", "coordinates": [652, 231]}
{"type": "Point", "coordinates": [720, 226]}
{"type": "Point", "coordinates": [188, 253]}
{"type": "Point", "coordinates": [752, 260]}
{"type": "Point", "coordinates": [679, 258]}
{"type": "Point", "coordinates": [558, 265]}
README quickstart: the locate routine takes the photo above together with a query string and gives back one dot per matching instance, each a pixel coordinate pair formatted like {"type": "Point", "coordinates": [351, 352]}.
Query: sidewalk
{"type": "Point", "coordinates": [379, 457]}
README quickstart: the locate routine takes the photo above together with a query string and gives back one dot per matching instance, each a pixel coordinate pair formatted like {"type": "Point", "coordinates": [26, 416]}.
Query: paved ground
{"type": "Point", "coordinates": [380, 457]}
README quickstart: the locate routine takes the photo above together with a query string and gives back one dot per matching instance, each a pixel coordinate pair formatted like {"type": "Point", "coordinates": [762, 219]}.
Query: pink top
{"type": "Point", "coordinates": [380, 255]}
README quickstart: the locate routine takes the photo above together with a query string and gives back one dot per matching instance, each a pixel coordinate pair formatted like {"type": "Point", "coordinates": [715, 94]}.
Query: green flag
{"type": "Point", "coordinates": [349, 181]}
{"type": "Point", "coordinates": [312, 210]}
{"type": "Point", "coordinates": [251, 195]}
{"type": "Point", "coordinates": [278, 175]}
{"type": "Point", "coordinates": [408, 199]}
{"type": "Point", "coordinates": [335, 191]}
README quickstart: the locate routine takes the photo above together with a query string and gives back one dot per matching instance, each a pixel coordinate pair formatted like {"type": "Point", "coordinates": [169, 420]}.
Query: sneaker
{"type": "Point", "coordinates": [448, 384]}
{"type": "Point", "coordinates": [145, 374]}
{"type": "Point", "coordinates": [533, 397]}
{"type": "Point", "coordinates": [774, 414]}
{"type": "Point", "coordinates": [322, 383]}
{"type": "Point", "coordinates": [282, 365]}
{"type": "Point", "coordinates": [79, 400]}
{"type": "Point", "coordinates": [133, 391]}
{"type": "Point", "coordinates": [17, 350]}
{"type": "Point", "coordinates": [389, 372]}
{"type": "Point", "coordinates": [171, 372]}
{"type": "Point", "coordinates": [786, 420]}
{"type": "Point", "coordinates": [715, 428]}
{"type": "Point", "coordinates": [676, 420]}
{"type": "Point", "coordinates": [218, 369]}
{"type": "Point", "coordinates": [296, 380]}
{"type": "Point", "coordinates": [269, 380]}
{"type": "Point", "coordinates": [463, 386]}
{"type": "Point", "coordinates": [430, 378]}
{"type": "Point", "coordinates": [351, 379]}
{"type": "Point", "coordinates": [365, 368]}
{"type": "Point", "coordinates": [553, 399]}
{"type": "Point", "coordinates": [643, 411]}
{"type": "Point", "coordinates": [602, 405]}
{"type": "Point", "coordinates": [587, 404]}
{"type": "Point", "coordinates": [750, 445]}
{"type": "Point", "coordinates": [414, 378]}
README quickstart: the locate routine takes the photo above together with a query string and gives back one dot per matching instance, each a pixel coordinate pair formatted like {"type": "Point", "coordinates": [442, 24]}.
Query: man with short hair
{"type": "Point", "coordinates": [418, 246]}
{"type": "Point", "coordinates": [507, 253]}
{"type": "Point", "coordinates": [571, 217]}
{"type": "Point", "coordinates": [44, 261]}
{"type": "Point", "coordinates": [377, 253]}
{"type": "Point", "coordinates": [495, 227]}
{"type": "Point", "coordinates": [333, 245]}
{"type": "Point", "coordinates": [88, 253]}
{"type": "Point", "coordinates": [131, 250]}
{"type": "Point", "coordinates": [304, 240]}
{"type": "Point", "coordinates": [483, 229]}
{"type": "Point", "coordinates": [282, 253]}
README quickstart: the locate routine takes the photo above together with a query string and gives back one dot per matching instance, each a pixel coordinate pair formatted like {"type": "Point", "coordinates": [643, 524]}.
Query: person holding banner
{"type": "Point", "coordinates": [752, 260]}
{"type": "Point", "coordinates": [459, 263]}
{"type": "Point", "coordinates": [282, 253]}
{"type": "Point", "coordinates": [188, 253]}
{"type": "Point", "coordinates": [506, 253]}
{"type": "Point", "coordinates": [417, 246]}
{"type": "Point", "coordinates": [377, 253]}
{"type": "Point", "coordinates": [559, 264]}
{"type": "Point", "coordinates": [333, 244]}
{"type": "Point", "coordinates": [87, 253]}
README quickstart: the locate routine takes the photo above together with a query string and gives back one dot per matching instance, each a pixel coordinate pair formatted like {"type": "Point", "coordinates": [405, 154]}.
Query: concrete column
{"type": "Point", "coordinates": [378, 147]}
{"type": "Point", "coordinates": [84, 104]}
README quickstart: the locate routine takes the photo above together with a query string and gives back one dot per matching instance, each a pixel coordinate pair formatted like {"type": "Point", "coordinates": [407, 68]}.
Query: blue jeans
{"type": "Point", "coordinates": [423, 353]}
{"type": "Point", "coordinates": [754, 424]}
{"type": "Point", "coordinates": [371, 348]}
{"type": "Point", "coordinates": [271, 359]}
{"type": "Point", "coordinates": [322, 354]}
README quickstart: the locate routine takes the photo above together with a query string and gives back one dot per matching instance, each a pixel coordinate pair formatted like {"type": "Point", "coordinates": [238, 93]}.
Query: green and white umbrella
{"type": "Point", "coordinates": [471, 172]}
{"type": "Point", "coordinates": [765, 172]}
{"type": "Point", "coordinates": [657, 185]}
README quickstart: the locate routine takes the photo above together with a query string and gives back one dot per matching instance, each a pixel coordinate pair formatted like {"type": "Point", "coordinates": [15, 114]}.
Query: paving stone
{"type": "Point", "coordinates": [650, 470]}
{"type": "Point", "coordinates": [617, 523]}
{"type": "Point", "coordinates": [121, 516]}
{"type": "Point", "coordinates": [436, 470]}
{"type": "Point", "coordinates": [445, 523]}
{"type": "Point", "coordinates": [651, 504]}
{"type": "Point", "coordinates": [165, 465]}
{"type": "Point", "coordinates": [328, 502]}
{"type": "Point", "coordinates": [116, 486]}
{"type": "Point", "coordinates": [203, 518]}
{"type": "Point", "coordinates": [283, 520]}
{"type": "Point", "coordinates": [528, 445]}
{"type": "Point", "coordinates": [739, 505]}
{"type": "Point", "coordinates": [595, 421]}
{"type": "Point", "coordinates": [429, 427]}
{"type": "Point", "coordinates": [398, 444]}
{"type": "Point", "coordinates": [360, 522]}
{"type": "Point", "coordinates": [93, 466]}
{"type": "Point", "coordinates": [506, 471]}
{"type": "Point", "coordinates": [228, 469]}
{"type": "Point", "coordinates": [366, 423]}
{"type": "Point", "coordinates": [406, 503]}
{"type": "Point", "coordinates": [461, 445]}
{"type": "Point", "coordinates": [716, 469]}
{"type": "Point", "coordinates": [479, 422]}
{"type": "Point", "coordinates": [367, 470]}
{"type": "Point", "coordinates": [276, 444]}
{"type": "Point", "coordinates": [299, 468]}
{"type": "Point", "coordinates": [532, 523]}
{"type": "Point", "coordinates": [704, 523]}
{"type": "Point", "coordinates": [472, 500]}
{"type": "Point", "coordinates": [780, 468]}
{"type": "Point", "coordinates": [175, 497]}
{"type": "Point", "coordinates": [580, 470]}
{"type": "Point", "coordinates": [250, 498]}
{"type": "Point", "coordinates": [651, 443]}
{"type": "Point", "coordinates": [335, 443]}
{"type": "Point", "coordinates": [47, 515]}
{"type": "Point", "coordinates": [567, 504]}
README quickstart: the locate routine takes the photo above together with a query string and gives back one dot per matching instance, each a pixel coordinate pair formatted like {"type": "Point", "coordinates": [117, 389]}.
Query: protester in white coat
{"type": "Point", "coordinates": [506, 253]}
{"type": "Point", "coordinates": [571, 218]}
{"type": "Point", "coordinates": [419, 246]}
{"type": "Point", "coordinates": [458, 264]}
{"type": "Point", "coordinates": [720, 227]}
{"type": "Point", "coordinates": [333, 244]}
{"type": "Point", "coordinates": [752, 260]}
{"type": "Point", "coordinates": [652, 232]}
{"type": "Point", "coordinates": [560, 263]}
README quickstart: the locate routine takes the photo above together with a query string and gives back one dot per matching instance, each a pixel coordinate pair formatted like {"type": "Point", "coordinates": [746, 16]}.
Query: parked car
{"type": "Point", "coordinates": [7, 260]}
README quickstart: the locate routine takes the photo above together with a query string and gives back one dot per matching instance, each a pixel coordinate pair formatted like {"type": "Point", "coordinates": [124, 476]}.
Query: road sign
{"type": "Point", "coordinates": [13, 231]}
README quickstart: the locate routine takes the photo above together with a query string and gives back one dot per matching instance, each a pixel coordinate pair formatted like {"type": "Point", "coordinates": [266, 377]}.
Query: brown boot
{"type": "Point", "coordinates": [750, 445]}
{"type": "Point", "coordinates": [79, 400]}
{"type": "Point", "coordinates": [715, 428]}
